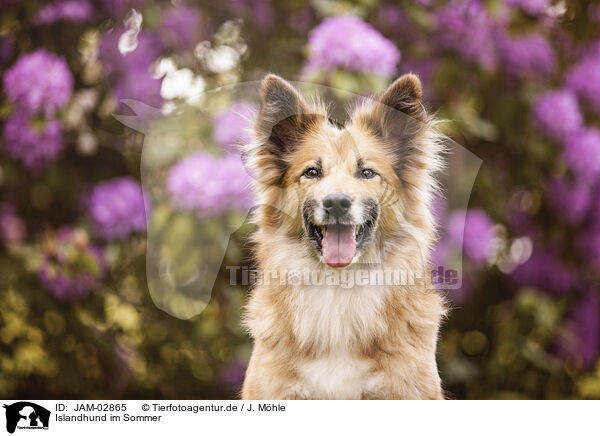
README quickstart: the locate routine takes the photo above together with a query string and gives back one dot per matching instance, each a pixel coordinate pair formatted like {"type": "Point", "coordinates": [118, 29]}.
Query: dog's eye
{"type": "Point", "coordinates": [368, 173]}
{"type": "Point", "coordinates": [312, 173]}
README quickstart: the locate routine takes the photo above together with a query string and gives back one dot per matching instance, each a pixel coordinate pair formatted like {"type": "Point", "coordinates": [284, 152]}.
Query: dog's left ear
{"type": "Point", "coordinates": [398, 115]}
{"type": "Point", "coordinates": [405, 95]}
{"type": "Point", "coordinates": [399, 118]}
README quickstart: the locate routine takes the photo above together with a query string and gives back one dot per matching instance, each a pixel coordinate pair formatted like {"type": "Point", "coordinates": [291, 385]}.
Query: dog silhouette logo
{"type": "Point", "coordinates": [26, 415]}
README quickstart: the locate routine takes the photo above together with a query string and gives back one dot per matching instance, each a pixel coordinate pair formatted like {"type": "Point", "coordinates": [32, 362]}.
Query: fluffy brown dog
{"type": "Point", "coordinates": [344, 226]}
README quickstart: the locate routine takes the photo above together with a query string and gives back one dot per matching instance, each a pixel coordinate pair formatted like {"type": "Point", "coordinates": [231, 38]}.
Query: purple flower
{"type": "Point", "coordinates": [209, 185]}
{"type": "Point", "coordinates": [12, 228]}
{"type": "Point", "coordinates": [467, 27]}
{"type": "Point", "coordinates": [39, 81]}
{"type": "Point", "coordinates": [570, 201]}
{"type": "Point", "coordinates": [580, 341]}
{"type": "Point", "coordinates": [139, 86]}
{"type": "Point", "coordinates": [71, 267]}
{"type": "Point", "coordinates": [130, 73]}
{"type": "Point", "coordinates": [582, 152]}
{"type": "Point", "coordinates": [425, 69]}
{"type": "Point", "coordinates": [182, 27]}
{"type": "Point", "coordinates": [532, 7]}
{"type": "Point", "coordinates": [588, 240]}
{"type": "Point", "coordinates": [395, 21]}
{"type": "Point", "coordinates": [557, 113]}
{"type": "Point", "coordinates": [259, 11]}
{"type": "Point", "coordinates": [231, 126]}
{"type": "Point", "coordinates": [147, 49]}
{"type": "Point", "coordinates": [446, 254]}
{"type": "Point", "coordinates": [584, 79]}
{"type": "Point", "coordinates": [475, 229]}
{"type": "Point", "coordinates": [588, 244]}
{"type": "Point", "coordinates": [521, 223]}
{"type": "Point", "coordinates": [440, 255]}
{"type": "Point", "coordinates": [232, 375]}
{"type": "Point", "coordinates": [347, 42]}
{"type": "Point", "coordinates": [118, 8]}
{"type": "Point", "coordinates": [7, 48]}
{"type": "Point", "coordinates": [546, 271]}
{"type": "Point", "coordinates": [593, 12]}
{"type": "Point", "coordinates": [67, 10]}
{"type": "Point", "coordinates": [439, 208]}
{"type": "Point", "coordinates": [35, 146]}
{"type": "Point", "coordinates": [593, 50]}
{"type": "Point", "coordinates": [117, 208]}
{"type": "Point", "coordinates": [302, 20]}
{"type": "Point", "coordinates": [529, 55]}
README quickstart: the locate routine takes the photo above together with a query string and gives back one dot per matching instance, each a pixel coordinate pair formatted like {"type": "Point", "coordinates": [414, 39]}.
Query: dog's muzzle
{"type": "Point", "coordinates": [338, 229]}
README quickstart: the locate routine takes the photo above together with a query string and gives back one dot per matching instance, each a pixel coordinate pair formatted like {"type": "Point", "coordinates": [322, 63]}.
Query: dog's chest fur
{"type": "Point", "coordinates": [338, 376]}
{"type": "Point", "coordinates": [327, 318]}
{"type": "Point", "coordinates": [336, 323]}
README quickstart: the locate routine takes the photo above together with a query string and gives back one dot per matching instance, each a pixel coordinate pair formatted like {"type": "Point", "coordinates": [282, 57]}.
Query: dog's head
{"type": "Point", "coordinates": [345, 190]}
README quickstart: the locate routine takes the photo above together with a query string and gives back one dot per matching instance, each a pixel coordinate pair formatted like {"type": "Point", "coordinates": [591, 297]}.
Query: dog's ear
{"type": "Point", "coordinates": [398, 114]}
{"type": "Point", "coordinates": [283, 118]}
{"type": "Point", "coordinates": [405, 95]}
{"type": "Point", "coordinates": [399, 118]}
{"type": "Point", "coordinates": [279, 96]}
{"type": "Point", "coordinates": [284, 114]}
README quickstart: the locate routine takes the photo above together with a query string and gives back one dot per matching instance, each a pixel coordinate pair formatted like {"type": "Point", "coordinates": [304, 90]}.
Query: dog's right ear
{"type": "Point", "coordinates": [276, 94]}
{"type": "Point", "coordinates": [283, 118]}
{"type": "Point", "coordinates": [284, 115]}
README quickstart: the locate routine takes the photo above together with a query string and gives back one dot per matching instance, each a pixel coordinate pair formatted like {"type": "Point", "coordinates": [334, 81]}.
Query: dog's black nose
{"type": "Point", "coordinates": [337, 204]}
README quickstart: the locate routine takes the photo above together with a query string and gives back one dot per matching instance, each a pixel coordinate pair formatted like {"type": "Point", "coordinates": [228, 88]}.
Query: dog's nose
{"type": "Point", "coordinates": [337, 204]}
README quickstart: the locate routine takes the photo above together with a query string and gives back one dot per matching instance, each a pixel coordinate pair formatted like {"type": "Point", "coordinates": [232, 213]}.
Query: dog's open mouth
{"type": "Point", "coordinates": [338, 243]}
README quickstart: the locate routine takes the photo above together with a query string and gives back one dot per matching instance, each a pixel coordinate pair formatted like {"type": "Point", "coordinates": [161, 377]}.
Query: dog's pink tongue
{"type": "Point", "coordinates": [339, 245]}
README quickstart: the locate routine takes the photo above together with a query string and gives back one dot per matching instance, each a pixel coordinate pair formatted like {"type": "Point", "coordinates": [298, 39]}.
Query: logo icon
{"type": "Point", "coordinates": [26, 415]}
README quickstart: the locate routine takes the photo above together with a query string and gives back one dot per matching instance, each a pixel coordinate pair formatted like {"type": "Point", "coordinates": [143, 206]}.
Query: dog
{"type": "Point", "coordinates": [353, 199]}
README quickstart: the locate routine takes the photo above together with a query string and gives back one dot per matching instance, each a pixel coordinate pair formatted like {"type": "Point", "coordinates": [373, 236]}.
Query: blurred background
{"type": "Point", "coordinates": [517, 80]}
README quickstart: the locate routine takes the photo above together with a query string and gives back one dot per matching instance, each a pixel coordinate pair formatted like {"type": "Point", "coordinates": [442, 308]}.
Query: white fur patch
{"type": "Point", "coordinates": [333, 318]}
{"type": "Point", "coordinates": [337, 376]}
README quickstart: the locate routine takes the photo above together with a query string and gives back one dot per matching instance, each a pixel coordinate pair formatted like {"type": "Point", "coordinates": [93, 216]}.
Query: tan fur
{"type": "Point", "coordinates": [326, 342]}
